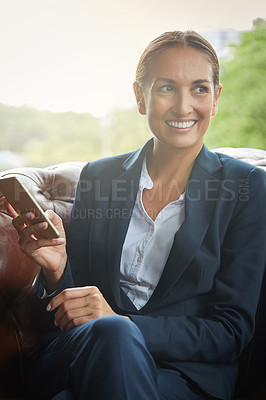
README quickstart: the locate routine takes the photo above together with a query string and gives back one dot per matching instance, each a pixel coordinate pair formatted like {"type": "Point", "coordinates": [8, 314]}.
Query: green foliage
{"type": "Point", "coordinates": [45, 138]}
{"type": "Point", "coordinates": [129, 131]}
{"type": "Point", "coordinates": [241, 119]}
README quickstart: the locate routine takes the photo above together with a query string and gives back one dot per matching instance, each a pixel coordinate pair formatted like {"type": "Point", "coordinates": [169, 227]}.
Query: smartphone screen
{"type": "Point", "coordinates": [22, 201]}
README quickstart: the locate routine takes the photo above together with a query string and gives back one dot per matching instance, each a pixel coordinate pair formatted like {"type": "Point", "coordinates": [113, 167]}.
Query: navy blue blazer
{"type": "Point", "coordinates": [202, 313]}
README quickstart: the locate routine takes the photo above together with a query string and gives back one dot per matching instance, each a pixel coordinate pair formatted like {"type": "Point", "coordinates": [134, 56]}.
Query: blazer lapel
{"type": "Point", "coordinates": [201, 195]}
{"type": "Point", "coordinates": [121, 206]}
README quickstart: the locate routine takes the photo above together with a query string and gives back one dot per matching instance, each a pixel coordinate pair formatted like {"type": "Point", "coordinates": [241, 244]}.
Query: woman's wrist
{"type": "Point", "coordinates": [53, 279]}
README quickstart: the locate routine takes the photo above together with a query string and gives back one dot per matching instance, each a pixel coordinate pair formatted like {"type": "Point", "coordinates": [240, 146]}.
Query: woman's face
{"type": "Point", "coordinates": [179, 99]}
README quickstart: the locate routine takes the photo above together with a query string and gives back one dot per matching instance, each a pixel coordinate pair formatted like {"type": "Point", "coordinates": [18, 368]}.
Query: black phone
{"type": "Point", "coordinates": [22, 201]}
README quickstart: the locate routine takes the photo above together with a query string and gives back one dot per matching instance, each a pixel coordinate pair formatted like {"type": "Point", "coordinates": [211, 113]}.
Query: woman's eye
{"type": "Point", "coordinates": [166, 89]}
{"type": "Point", "coordinates": [201, 89]}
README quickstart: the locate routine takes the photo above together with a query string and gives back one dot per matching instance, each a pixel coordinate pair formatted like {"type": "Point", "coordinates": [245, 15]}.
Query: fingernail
{"type": "Point", "coordinates": [48, 308]}
{"type": "Point", "coordinates": [29, 215]}
{"type": "Point", "coordinates": [60, 240]}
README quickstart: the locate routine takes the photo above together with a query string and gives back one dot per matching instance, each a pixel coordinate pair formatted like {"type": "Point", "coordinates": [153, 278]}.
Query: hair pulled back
{"type": "Point", "coordinates": [176, 39]}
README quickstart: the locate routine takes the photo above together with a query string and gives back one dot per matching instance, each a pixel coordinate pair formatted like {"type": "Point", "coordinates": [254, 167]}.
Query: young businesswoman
{"type": "Point", "coordinates": [156, 295]}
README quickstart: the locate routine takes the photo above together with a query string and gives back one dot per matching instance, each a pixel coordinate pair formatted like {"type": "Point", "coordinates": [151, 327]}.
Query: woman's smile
{"type": "Point", "coordinates": [180, 125]}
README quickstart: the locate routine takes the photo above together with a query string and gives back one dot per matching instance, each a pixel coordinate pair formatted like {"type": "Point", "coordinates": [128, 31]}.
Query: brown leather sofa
{"type": "Point", "coordinates": [22, 322]}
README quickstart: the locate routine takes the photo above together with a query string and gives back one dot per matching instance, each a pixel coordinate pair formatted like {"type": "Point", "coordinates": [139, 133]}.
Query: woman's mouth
{"type": "Point", "coordinates": [180, 125]}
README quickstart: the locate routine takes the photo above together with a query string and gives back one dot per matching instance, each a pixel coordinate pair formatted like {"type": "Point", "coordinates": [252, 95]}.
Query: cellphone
{"type": "Point", "coordinates": [22, 201]}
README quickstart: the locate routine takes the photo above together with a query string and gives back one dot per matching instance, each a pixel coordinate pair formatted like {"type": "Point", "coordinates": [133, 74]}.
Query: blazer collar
{"type": "Point", "coordinates": [206, 159]}
{"type": "Point", "coordinates": [137, 156]}
{"type": "Point", "coordinates": [117, 227]}
{"type": "Point", "coordinates": [202, 193]}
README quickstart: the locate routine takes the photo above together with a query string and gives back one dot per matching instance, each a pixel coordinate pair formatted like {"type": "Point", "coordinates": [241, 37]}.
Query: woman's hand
{"type": "Point", "coordinates": [76, 306]}
{"type": "Point", "coordinates": [50, 254]}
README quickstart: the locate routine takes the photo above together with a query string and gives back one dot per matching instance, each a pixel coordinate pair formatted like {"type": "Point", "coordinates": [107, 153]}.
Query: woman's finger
{"type": "Point", "coordinates": [73, 307]}
{"type": "Point", "coordinates": [22, 220]}
{"type": "Point", "coordinates": [72, 293]}
{"type": "Point", "coordinates": [63, 318]}
{"type": "Point", "coordinates": [77, 322]}
{"type": "Point", "coordinates": [32, 230]}
{"type": "Point", "coordinates": [10, 210]}
{"type": "Point", "coordinates": [32, 244]}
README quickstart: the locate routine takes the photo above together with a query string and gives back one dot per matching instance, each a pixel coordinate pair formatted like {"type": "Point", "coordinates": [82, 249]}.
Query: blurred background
{"type": "Point", "coordinates": [67, 69]}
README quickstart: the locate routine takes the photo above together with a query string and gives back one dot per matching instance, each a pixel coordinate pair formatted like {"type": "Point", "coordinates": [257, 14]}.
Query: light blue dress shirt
{"type": "Point", "coordinates": [147, 244]}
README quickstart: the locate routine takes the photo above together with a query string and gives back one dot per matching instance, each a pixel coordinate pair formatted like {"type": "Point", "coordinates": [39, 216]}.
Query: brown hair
{"type": "Point", "coordinates": [175, 39]}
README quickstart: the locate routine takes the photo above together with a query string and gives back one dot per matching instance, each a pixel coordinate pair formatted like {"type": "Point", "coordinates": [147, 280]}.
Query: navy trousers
{"type": "Point", "coordinates": [104, 359]}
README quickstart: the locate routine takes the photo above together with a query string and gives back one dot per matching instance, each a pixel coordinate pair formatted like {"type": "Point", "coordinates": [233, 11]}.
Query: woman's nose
{"type": "Point", "coordinates": [182, 104]}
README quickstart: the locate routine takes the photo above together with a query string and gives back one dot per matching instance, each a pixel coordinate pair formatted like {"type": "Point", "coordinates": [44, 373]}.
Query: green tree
{"type": "Point", "coordinates": [69, 137]}
{"type": "Point", "coordinates": [44, 138]}
{"type": "Point", "coordinates": [128, 132]}
{"type": "Point", "coordinates": [241, 119]}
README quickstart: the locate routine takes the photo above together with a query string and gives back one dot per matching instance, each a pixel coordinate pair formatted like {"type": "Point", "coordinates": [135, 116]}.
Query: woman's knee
{"type": "Point", "coordinates": [107, 334]}
{"type": "Point", "coordinates": [115, 327]}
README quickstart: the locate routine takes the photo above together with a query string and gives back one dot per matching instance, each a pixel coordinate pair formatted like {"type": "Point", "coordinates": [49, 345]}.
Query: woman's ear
{"type": "Point", "coordinates": [139, 98]}
{"type": "Point", "coordinates": [215, 100]}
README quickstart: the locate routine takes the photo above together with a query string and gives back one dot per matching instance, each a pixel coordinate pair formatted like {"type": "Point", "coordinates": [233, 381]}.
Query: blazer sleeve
{"type": "Point", "coordinates": [227, 324]}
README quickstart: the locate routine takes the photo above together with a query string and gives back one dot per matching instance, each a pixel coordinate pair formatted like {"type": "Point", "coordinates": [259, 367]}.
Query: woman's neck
{"type": "Point", "coordinates": [166, 164]}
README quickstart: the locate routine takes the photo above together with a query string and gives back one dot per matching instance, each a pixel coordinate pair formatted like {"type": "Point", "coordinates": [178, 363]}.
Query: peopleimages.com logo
{"type": "Point", "coordinates": [126, 190]}
{"type": "Point", "coordinates": [196, 190]}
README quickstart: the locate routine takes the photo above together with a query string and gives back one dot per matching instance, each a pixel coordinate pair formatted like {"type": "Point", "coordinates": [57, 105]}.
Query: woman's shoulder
{"type": "Point", "coordinates": [114, 165]}
{"type": "Point", "coordinates": [235, 165]}
{"type": "Point", "coordinates": [106, 166]}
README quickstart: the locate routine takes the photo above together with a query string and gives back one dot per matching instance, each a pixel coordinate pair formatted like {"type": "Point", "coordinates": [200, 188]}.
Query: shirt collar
{"type": "Point", "coordinates": [145, 179]}
{"type": "Point", "coordinates": [147, 183]}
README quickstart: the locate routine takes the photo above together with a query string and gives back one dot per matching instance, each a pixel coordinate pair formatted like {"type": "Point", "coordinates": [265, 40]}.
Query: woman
{"type": "Point", "coordinates": [173, 256]}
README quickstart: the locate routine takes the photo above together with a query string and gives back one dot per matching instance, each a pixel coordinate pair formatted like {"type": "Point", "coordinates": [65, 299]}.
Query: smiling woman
{"type": "Point", "coordinates": [152, 300]}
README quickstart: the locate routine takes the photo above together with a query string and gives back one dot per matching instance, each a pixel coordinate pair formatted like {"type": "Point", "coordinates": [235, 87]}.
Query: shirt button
{"type": "Point", "coordinates": [139, 259]}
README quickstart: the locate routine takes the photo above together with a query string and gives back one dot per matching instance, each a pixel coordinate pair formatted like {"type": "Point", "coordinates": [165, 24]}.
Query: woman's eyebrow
{"type": "Point", "coordinates": [173, 82]}
{"type": "Point", "coordinates": [199, 81]}
{"type": "Point", "coordinates": [167, 80]}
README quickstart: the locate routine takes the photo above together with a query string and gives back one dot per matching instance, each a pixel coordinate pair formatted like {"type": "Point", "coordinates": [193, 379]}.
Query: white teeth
{"type": "Point", "coordinates": [180, 125]}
